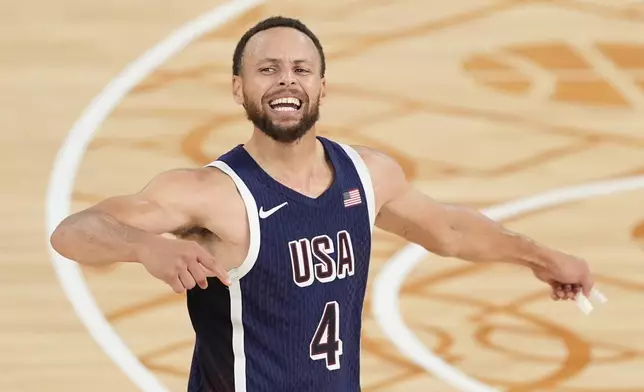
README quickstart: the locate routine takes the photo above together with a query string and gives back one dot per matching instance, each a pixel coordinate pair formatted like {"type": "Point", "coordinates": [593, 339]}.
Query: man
{"type": "Point", "coordinates": [284, 224]}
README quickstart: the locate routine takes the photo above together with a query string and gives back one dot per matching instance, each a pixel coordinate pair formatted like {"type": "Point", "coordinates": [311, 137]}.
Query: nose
{"type": "Point", "coordinates": [287, 78]}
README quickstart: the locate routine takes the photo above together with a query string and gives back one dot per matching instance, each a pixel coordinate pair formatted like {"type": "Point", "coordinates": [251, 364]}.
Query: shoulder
{"type": "Point", "coordinates": [195, 188]}
{"type": "Point", "coordinates": [206, 194]}
{"type": "Point", "coordinates": [387, 175]}
{"type": "Point", "coordinates": [380, 164]}
{"type": "Point", "coordinates": [190, 180]}
{"type": "Point", "coordinates": [376, 159]}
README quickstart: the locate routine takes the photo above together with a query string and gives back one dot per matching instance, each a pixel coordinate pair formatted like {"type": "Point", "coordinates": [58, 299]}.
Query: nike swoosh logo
{"type": "Point", "coordinates": [265, 214]}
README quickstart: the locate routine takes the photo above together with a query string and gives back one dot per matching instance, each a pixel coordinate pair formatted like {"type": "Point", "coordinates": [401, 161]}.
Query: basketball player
{"type": "Point", "coordinates": [282, 225]}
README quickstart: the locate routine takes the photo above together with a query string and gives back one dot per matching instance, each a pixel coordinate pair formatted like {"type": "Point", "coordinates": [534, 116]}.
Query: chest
{"type": "Point", "coordinates": [309, 244]}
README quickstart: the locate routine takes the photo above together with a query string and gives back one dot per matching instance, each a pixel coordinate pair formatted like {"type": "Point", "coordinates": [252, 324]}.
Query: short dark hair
{"type": "Point", "coordinates": [269, 23]}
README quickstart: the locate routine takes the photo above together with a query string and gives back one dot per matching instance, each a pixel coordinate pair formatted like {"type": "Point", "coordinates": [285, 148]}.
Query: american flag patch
{"type": "Point", "coordinates": [351, 197]}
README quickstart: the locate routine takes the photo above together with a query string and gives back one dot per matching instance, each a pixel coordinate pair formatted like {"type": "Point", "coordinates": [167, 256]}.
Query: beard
{"type": "Point", "coordinates": [282, 134]}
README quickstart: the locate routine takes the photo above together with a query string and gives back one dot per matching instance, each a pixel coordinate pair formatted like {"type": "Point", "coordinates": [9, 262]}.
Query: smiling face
{"type": "Point", "coordinates": [280, 84]}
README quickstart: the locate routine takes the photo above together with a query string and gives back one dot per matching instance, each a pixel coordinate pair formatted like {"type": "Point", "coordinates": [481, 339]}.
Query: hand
{"type": "Point", "coordinates": [181, 264]}
{"type": "Point", "coordinates": [567, 276]}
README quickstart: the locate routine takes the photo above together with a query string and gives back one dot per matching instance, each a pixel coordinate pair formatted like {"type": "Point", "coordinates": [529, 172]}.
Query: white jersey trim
{"type": "Point", "coordinates": [239, 351]}
{"type": "Point", "coordinates": [365, 178]}
{"type": "Point", "coordinates": [253, 221]}
{"type": "Point", "coordinates": [237, 273]}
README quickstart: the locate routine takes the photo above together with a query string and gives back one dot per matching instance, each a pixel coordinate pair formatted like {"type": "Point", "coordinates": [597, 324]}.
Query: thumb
{"type": "Point", "coordinates": [587, 285]}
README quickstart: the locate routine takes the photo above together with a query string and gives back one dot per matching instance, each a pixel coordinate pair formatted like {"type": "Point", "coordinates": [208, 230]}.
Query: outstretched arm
{"type": "Point", "coordinates": [461, 232]}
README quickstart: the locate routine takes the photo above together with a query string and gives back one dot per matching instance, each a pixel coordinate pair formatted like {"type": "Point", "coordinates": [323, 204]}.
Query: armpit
{"type": "Point", "coordinates": [194, 233]}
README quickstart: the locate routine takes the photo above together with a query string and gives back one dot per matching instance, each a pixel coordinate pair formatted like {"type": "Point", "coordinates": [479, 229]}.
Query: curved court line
{"type": "Point", "coordinates": [65, 169]}
{"type": "Point", "coordinates": [387, 285]}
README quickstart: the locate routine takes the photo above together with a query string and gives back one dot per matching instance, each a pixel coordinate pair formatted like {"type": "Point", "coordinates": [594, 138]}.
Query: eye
{"type": "Point", "coordinates": [302, 70]}
{"type": "Point", "coordinates": [267, 70]}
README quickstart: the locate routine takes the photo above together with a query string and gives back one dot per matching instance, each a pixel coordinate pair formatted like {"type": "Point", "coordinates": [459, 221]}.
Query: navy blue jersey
{"type": "Point", "coordinates": [291, 320]}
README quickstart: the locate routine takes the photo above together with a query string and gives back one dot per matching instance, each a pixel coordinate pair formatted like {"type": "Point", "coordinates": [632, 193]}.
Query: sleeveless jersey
{"type": "Point", "coordinates": [291, 321]}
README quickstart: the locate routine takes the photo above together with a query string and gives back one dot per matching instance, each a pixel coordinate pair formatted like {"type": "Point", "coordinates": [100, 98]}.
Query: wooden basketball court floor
{"type": "Point", "coordinates": [484, 102]}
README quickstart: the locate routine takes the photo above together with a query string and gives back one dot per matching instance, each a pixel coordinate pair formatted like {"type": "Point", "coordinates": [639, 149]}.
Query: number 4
{"type": "Point", "coordinates": [326, 343]}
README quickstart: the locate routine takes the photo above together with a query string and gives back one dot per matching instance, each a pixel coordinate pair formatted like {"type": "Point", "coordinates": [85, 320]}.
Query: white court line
{"type": "Point", "coordinates": [387, 285]}
{"type": "Point", "coordinates": [65, 169]}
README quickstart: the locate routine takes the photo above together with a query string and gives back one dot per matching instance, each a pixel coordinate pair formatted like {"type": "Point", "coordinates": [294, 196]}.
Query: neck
{"type": "Point", "coordinates": [291, 162]}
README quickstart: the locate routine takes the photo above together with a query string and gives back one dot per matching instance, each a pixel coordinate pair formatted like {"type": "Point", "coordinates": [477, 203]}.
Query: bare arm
{"type": "Point", "coordinates": [115, 229]}
{"type": "Point", "coordinates": [444, 229]}
{"type": "Point", "coordinates": [464, 233]}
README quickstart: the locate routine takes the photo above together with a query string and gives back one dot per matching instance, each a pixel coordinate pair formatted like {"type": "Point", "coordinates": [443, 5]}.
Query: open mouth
{"type": "Point", "coordinates": [288, 104]}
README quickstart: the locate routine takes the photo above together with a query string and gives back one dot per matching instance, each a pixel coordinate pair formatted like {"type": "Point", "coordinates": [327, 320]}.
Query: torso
{"type": "Point", "coordinates": [225, 232]}
{"type": "Point", "coordinates": [296, 262]}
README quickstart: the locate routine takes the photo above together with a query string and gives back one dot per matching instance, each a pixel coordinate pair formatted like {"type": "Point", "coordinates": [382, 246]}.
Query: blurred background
{"type": "Point", "coordinates": [484, 102]}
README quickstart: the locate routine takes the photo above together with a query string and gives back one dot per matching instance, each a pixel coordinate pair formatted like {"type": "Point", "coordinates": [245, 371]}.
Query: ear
{"type": "Point", "coordinates": [238, 91]}
{"type": "Point", "coordinates": [322, 91]}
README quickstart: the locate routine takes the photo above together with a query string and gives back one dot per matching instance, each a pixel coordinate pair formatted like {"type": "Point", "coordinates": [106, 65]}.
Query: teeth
{"type": "Point", "coordinates": [285, 109]}
{"type": "Point", "coordinates": [292, 100]}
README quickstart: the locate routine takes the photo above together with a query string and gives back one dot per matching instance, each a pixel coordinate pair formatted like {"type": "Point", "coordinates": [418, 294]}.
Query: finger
{"type": "Point", "coordinates": [218, 272]}
{"type": "Point", "coordinates": [560, 292]}
{"type": "Point", "coordinates": [553, 295]}
{"type": "Point", "coordinates": [556, 291]}
{"type": "Point", "coordinates": [567, 291]}
{"type": "Point", "coordinates": [587, 285]}
{"type": "Point", "coordinates": [207, 260]}
{"type": "Point", "coordinates": [177, 286]}
{"type": "Point", "coordinates": [215, 268]}
{"type": "Point", "coordinates": [187, 280]}
{"type": "Point", "coordinates": [198, 274]}
{"type": "Point", "coordinates": [207, 272]}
